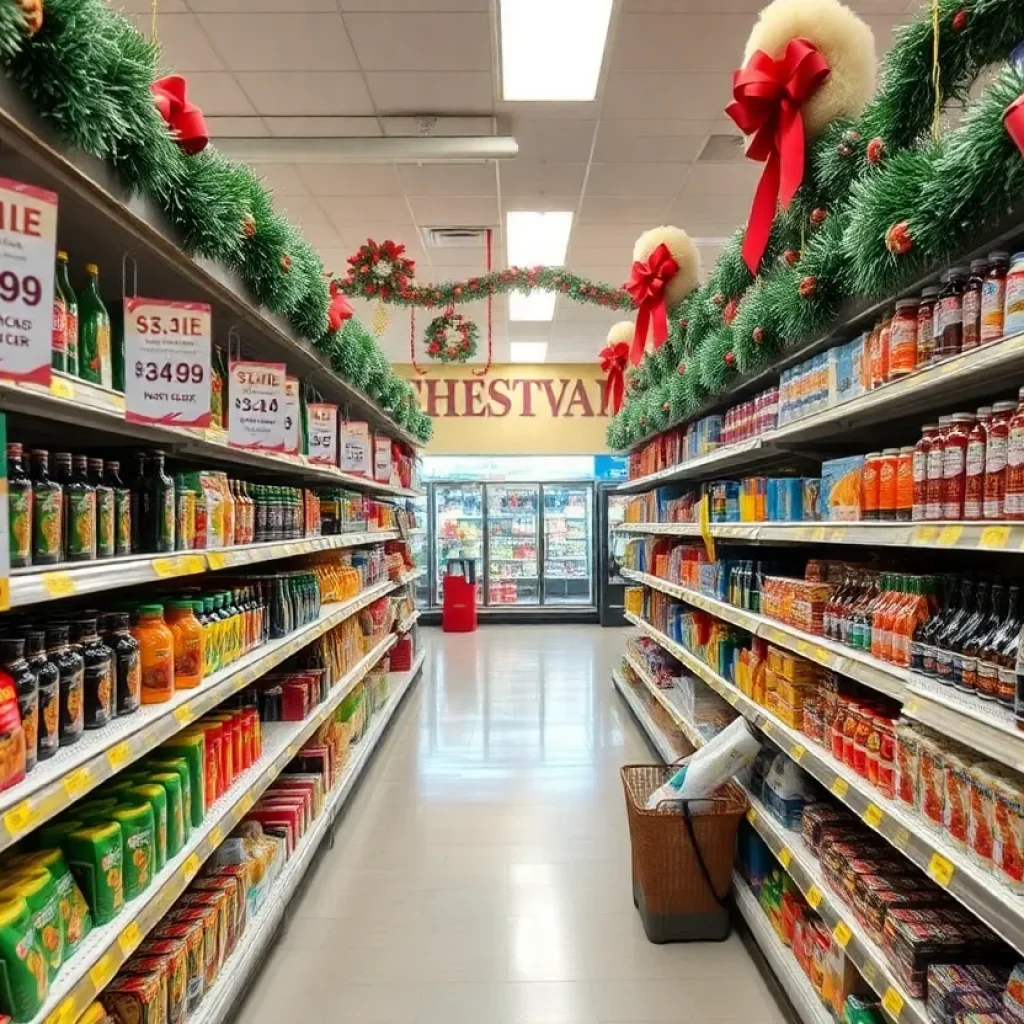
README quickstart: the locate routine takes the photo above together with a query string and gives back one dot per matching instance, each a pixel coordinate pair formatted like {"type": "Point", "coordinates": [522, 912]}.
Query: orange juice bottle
{"type": "Point", "coordinates": [188, 644]}
{"type": "Point", "coordinates": [156, 654]}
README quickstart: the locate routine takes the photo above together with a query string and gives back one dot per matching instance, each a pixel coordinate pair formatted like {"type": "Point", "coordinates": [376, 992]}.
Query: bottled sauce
{"type": "Point", "coordinates": [62, 284]}
{"type": "Point", "coordinates": [922, 644]}
{"type": "Point", "coordinates": [184, 517]}
{"type": "Point", "coordinates": [59, 331]}
{"type": "Point", "coordinates": [61, 467]}
{"type": "Point", "coordinates": [920, 470]}
{"type": "Point", "coordinates": [140, 503]}
{"type": "Point", "coordinates": [949, 326]}
{"type": "Point", "coordinates": [80, 510]}
{"type": "Point", "coordinates": [985, 625]}
{"type": "Point", "coordinates": [47, 512]}
{"type": "Point", "coordinates": [12, 661]}
{"type": "Point", "coordinates": [126, 661]}
{"type": "Point", "coordinates": [122, 508]}
{"type": "Point", "coordinates": [905, 484]}
{"type": "Point", "coordinates": [974, 465]}
{"type": "Point", "coordinates": [1013, 501]}
{"type": "Point", "coordinates": [887, 483]}
{"type": "Point", "coordinates": [218, 388]}
{"type": "Point", "coordinates": [903, 339]}
{"type": "Point", "coordinates": [959, 611]}
{"type": "Point", "coordinates": [871, 486]}
{"type": "Point", "coordinates": [934, 470]}
{"type": "Point", "coordinates": [972, 305]}
{"type": "Point", "coordinates": [72, 682]}
{"type": "Point", "coordinates": [99, 672]}
{"type": "Point", "coordinates": [926, 317]}
{"type": "Point", "coordinates": [19, 508]}
{"type": "Point", "coordinates": [106, 531]}
{"type": "Point", "coordinates": [996, 441]}
{"type": "Point", "coordinates": [156, 653]}
{"type": "Point", "coordinates": [1013, 317]}
{"type": "Point", "coordinates": [993, 297]}
{"type": "Point", "coordinates": [94, 354]}
{"type": "Point", "coordinates": [188, 644]}
{"type": "Point", "coordinates": [954, 464]}
{"type": "Point", "coordinates": [48, 688]}
{"type": "Point", "coordinates": [199, 610]}
{"type": "Point", "coordinates": [158, 532]}
{"type": "Point", "coordinates": [977, 613]}
{"type": "Point", "coordinates": [1006, 650]}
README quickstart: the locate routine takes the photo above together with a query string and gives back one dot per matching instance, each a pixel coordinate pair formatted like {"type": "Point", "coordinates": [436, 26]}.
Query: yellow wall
{"type": "Point", "coordinates": [547, 409]}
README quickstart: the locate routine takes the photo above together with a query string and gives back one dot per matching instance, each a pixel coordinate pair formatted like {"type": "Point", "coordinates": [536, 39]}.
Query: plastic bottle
{"type": "Point", "coordinates": [1013, 503]}
{"type": "Point", "coordinates": [156, 653]}
{"type": "Point", "coordinates": [974, 465]}
{"type": "Point", "coordinates": [188, 644]}
{"type": "Point", "coordinates": [934, 470]}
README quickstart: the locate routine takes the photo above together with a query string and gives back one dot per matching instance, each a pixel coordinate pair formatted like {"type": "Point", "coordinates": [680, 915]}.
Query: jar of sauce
{"type": "Point", "coordinates": [887, 484]}
{"type": "Point", "coordinates": [903, 339]}
{"type": "Point", "coordinates": [48, 684]}
{"type": "Point", "coordinates": [72, 683]}
{"type": "Point", "coordinates": [949, 325]}
{"type": "Point", "coordinates": [933, 503]}
{"type": "Point", "coordinates": [873, 355]}
{"type": "Point", "coordinates": [127, 663]}
{"type": "Point", "coordinates": [870, 485]}
{"type": "Point", "coordinates": [881, 374]}
{"type": "Point", "coordinates": [954, 465]}
{"type": "Point", "coordinates": [926, 316]}
{"type": "Point", "coordinates": [972, 304]}
{"type": "Point", "coordinates": [974, 467]}
{"type": "Point", "coordinates": [156, 652]}
{"type": "Point", "coordinates": [99, 673]}
{"type": "Point", "coordinates": [1013, 503]}
{"type": "Point", "coordinates": [993, 297]}
{"type": "Point", "coordinates": [920, 471]}
{"type": "Point", "coordinates": [905, 485]}
{"type": "Point", "coordinates": [995, 459]}
{"type": "Point", "coordinates": [1013, 318]}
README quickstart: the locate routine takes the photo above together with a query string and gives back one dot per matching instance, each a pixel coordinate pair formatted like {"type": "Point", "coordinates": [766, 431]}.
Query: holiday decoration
{"type": "Point", "coordinates": [380, 271]}
{"type": "Point", "coordinates": [32, 11]}
{"type": "Point", "coordinates": [614, 359]}
{"type": "Point", "coordinates": [1013, 119]}
{"type": "Point", "coordinates": [340, 309]}
{"type": "Point", "coordinates": [875, 151]}
{"type": "Point", "coordinates": [183, 117]}
{"type": "Point", "coordinates": [898, 239]}
{"type": "Point", "coordinates": [451, 338]}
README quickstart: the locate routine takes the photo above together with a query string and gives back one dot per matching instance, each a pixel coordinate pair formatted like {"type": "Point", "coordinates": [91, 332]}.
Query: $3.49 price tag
{"type": "Point", "coordinates": [167, 362]}
{"type": "Point", "coordinates": [323, 434]}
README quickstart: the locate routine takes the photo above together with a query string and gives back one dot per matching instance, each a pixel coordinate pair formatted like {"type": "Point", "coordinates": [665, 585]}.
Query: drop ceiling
{"type": "Point", "coordinates": [622, 163]}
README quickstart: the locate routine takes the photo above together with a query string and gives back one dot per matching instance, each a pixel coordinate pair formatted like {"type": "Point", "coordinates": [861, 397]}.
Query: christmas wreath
{"type": "Point", "coordinates": [451, 338]}
{"type": "Point", "coordinates": [381, 269]}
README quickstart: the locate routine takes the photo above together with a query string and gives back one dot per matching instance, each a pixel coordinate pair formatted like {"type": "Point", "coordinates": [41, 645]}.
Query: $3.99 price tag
{"type": "Point", "coordinates": [323, 433]}
{"type": "Point", "coordinates": [167, 362]}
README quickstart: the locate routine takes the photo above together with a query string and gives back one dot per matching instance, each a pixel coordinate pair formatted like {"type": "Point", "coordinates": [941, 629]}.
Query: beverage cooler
{"type": "Point", "coordinates": [533, 543]}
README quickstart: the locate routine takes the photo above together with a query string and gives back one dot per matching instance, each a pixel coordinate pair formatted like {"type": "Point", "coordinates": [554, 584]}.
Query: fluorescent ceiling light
{"type": "Point", "coordinates": [536, 306]}
{"type": "Point", "coordinates": [537, 239]}
{"type": "Point", "coordinates": [360, 150]}
{"type": "Point", "coordinates": [527, 351]}
{"type": "Point", "coordinates": [552, 49]}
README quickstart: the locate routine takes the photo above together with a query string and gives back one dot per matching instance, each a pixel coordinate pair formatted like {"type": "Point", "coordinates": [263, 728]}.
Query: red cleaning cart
{"type": "Point", "coordinates": [458, 593]}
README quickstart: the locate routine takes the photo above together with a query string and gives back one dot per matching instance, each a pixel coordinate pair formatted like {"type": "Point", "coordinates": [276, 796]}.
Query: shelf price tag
{"type": "Point", "coordinates": [191, 867]}
{"type": "Point", "coordinates": [323, 433]}
{"type": "Point", "coordinates": [101, 972]}
{"type": "Point", "coordinates": [116, 756]}
{"type": "Point", "coordinates": [873, 815]}
{"type": "Point", "coordinates": [785, 857]}
{"type": "Point", "coordinates": [994, 537]}
{"type": "Point", "coordinates": [892, 1003]}
{"type": "Point", "coordinates": [949, 535]}
{"type": "Point", "coordinates": [58, 584]}
{"type": "Point", "coordinates": [19, 819]}
{"type": "Point", "coordinates": [814, 897]}
{"type": "Point", "coordinates": [752, 815]}
{"type": "Point", "coordinates": [129, 939]}
{"type": "Point", "coordinates": [28, 240]}
{"type": "Point", "coordinates": [256, 412]}
{"type": "Point", "coordinates": [842, 934]}
{"type": "Point", "coordinates": [291, 416]}
{"type": "Point", "coordinates": [839, 787]}
{"type": "Point", "coordinates": [78, 782]}
{"type": "Point", "coordinates": [941, 869]}
{"type": "Point", "coordinates": [167, 362]}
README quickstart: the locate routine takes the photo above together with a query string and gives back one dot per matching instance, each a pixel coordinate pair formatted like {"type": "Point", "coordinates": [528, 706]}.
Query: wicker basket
{"type": "Point", "coordinates": [681, 891]}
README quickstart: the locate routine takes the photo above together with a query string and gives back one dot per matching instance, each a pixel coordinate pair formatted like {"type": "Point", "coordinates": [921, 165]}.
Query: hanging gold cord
{"type": "Point", "coordinates": [152, 21]}
{"type": "Point", "coordinates": [936, 74]}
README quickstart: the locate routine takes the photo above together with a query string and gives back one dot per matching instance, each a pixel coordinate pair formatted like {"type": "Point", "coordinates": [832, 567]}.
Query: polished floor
{"type": "Point", "coordinates": [481, 874]}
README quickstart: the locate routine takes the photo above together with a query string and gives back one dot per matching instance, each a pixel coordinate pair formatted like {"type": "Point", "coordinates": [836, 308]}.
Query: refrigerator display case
{"type": "Point", "coordinates": [568, 544]}
{"type": "Point", "coordinates": [419, 548]}
{"type": "Point", "coordinates": [458, 530]}
{"type": "Point", "coordinates": [611, 583]}
{"type": "Point", "coordinates": [513, 544]}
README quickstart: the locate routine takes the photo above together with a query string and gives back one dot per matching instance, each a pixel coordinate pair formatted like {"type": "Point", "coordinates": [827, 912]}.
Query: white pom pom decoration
{"type": "Point", "coordinates": [622, 331]}
{"type": "Point", "coordinates": [684, 252]}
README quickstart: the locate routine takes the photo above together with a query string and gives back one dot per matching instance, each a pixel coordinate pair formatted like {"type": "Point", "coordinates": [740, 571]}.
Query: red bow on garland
{"type": "Point", "coordinates": [1013, 121]}
{"type": "Point", "coordinates": [340, 309]}
{"type": "Point", "coordinates": [767, 97]}
{"type": "Point", "coordinates": [614, 359]}
{"type": "Point", "coordinates": [184, 118]}
{"type": "Point", "coordinates": [646, 285]}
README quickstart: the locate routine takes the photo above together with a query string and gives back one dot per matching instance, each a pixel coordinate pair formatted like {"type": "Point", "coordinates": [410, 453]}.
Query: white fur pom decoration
{"type": "Point", "coordinates": [846, 42]}
{"type": "Point", "coordinates": [683, 251]}
{"type": "Point", "coordinates": [622, 331]}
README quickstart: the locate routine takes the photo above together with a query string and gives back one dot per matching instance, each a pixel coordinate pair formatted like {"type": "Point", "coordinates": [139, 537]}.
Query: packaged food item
{"type": "Point", "coordinates": [174, 955]}
{"type": "Point", "coordinates": [47, 677]}
{"type": "Point", "coordinates": [36, 887]}
{"type": "Point", "coordinates": [957, 781]}
{"type": "Point", "coordinates": [993, 297]}
{"type": "Point", "coordinates": [953, 988]}
{"type": "Point", "coordinates": [156, 653]}
{"type": "Point", "coordinates": [1013, 319]}
{"type": "Point", "coordinates": [981, 826]}
{"type": "Point", "coordinates": [191, 934]}
{"type": "Point", "coordinates": [1008, 817]}
{"type": "Point", "coordinates": [156, 796]}
{"type": "Point", "coordinates": [136, 998]}
{"type": "Point", "coordinates": [13, 743]}
{"type": "Point", "coordinates": [170, 783]}
{"type": "Point", "coordinates": [841, 488]}
{"type": "Point", "coordinates": [73, 907]}
{"type": "Point", "coordinates": [94, 855]}
{"type": "Point", "coordinates": [24, 978]}
{"type": "Point", "coordinates": [138, 845]}
{"type": "Point", "coordinates": [126, 661]}
{"type": "Point", "coordinates": [188, 644]}
{"type": "Point", "coordinates": [192, 747]}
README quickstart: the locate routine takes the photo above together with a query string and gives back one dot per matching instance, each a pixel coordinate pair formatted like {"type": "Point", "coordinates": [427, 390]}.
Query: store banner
{"type": "Point", "coordinates": [543, 409]}
{"type": "Point", "coordinates": [28, 250]}
{"type": "Point", "coordinates": [256, 412]}
{"type": "Point", "coordinates": [167, 362]}
{"type": "Point", "coordinates": [322, 420]}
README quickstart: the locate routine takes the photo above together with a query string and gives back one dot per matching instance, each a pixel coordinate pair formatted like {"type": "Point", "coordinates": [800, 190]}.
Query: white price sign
{"type": "Point", "coordinates": [167, 362]}
{"type": "Point", "coordinates": [291, 416]}
{"type": "Point", "coordinates": [256, 409]}
{"type": "Point", "coordinates": [28, 244]}
{"type": "Point", "coordinates": [323, 434]}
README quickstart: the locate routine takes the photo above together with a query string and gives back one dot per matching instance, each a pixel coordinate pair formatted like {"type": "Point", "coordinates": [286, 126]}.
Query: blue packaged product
{"type": "Point", "coordinates": [791, 494]}
{"type": "Point", "coordinates": [840, 497]}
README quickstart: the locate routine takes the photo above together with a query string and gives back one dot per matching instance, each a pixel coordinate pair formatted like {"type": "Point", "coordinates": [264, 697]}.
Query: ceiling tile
{"type": "Point", "coordinates": [307, 214]}
{"type": "Point", "coordinates": [547, 111]}
{"type": "Point", "coordinates": [129, 7]}
{"type": "Point", "coordinates": [540, 203]}
{"type": "Point", "coordinates": [519, 178]}
{"type": "Point", "coordinates": [622, 209]}
{"type": "Point", "coordinates": [421, 42]}
{"type": "Point", "coordinates": [236, 127]}
{"type": "Point", "coordinates": [282, 178]}
{"type": "Point", "coordinates": [413, 5]}
{"type": "Point", "coordinates": [447, 259]}
{"type": "Point", "coordinates": [738, 179]}
{"type": "Point", "coordinates": [668, 149]}
{"type": "Point", "coordinates": [355, 230]}
{"type": "Point", "coordinates": [449, 179]}
{"type": "Point", "coordinates": [435, 275]}
{"type": "Point", "coordinates": [666, 94]}
{"type": "Point", "coordinates": [335, 260]}
{"type": "Point", "coordinates": [323, 127]}
{"type": "Point", "coordinates": [256, 6]}
{"type": "Point", "coordinates": [440, 126]}
{"type": "Point", "coordinates": [614, 236]}
{"type": "Point", "coordinates": [412, 92]}
{"type": "Point", "coordinates": [351, 179]}
{"type": "Point", "coordinates": [667, 42]}
{"type": "Point", "coordinates": [692, 206]}
{"type": "Point", "coordinates": [370, 210]}
{"type": "Point", "coordinates": [218, 93]}
{"type": "Point", "coordinates": [434, 211]}
{"type": "Point", "coordinates": [307, 93]}
{"type": "Point", "coordinates": [183, 44]}
{"type": "Point", "coordinates": [281, 42]}
{"type": "Point", "coordinates": [600, 256]}
{"type": "Point", "coordinates": [554, 141]}
{"type": "Point", "coordinates": [635, 179]}
{"type": "Point", "coordinates": [643, 127]}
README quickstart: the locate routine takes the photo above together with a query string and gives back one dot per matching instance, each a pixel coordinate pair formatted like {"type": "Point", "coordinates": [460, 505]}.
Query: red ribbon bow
{"type": "Point", "coordinates": [184, 118]}
{"type": "Point", "coordinates": [646, 285]}
{"type": "Point", "coordinates": [340, 309]}
{"type": "Point", "coordinates": [613, 364]}
{"type": "Point", "coordinates": [768, 95]}
{"type": "Point", "coordinates": [1013, 121]}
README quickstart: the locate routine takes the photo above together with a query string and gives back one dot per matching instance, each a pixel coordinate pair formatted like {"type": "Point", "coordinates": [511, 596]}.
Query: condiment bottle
{"type": "Point", "coordinates": [127, 662]}
{"type": "Point", "coordinates": [106, 530]}
{"type": "Point", "coordinates": [94, 356]}
{"type": "Point", "coordinates": [903, 339]}
{"type": "Point", "coordinates": [954, 464]}
{"type": "Point", "coordinates": [949, 326]}
{"type": "Point", "coordinates": [80, 510]}
{"type": "Point", "coordinates": [12, 661]}
{"type": "Point", "coordinates": [140, 504]}
{"type": "Point", "coordinates": [870, 486]}
{"type": "Point", "coordinates": [974, 488]}
{"type": "Point", "coordinates": [1013, 503]}
{"type": "Point", "coordinates": [59, 331]}
{"type": "Point", "coordinates": [99, 672]}
{"type": "Point", "coordinates": [62, 283]}
{"type": "Point", "coordinates": [996, 441]}
{"type": "Point", "coordinates": [19, 508]}
{"type": "Point", "coordinates": [122, 508]}
{"type": "Point", "coordinates": [988, 653]}
{"type": "Point", "coordinates": [979, 614]}
{"type": "Point", "coordinates": [188, 644]}
{"type": "Point", "coordinates": [945, 640]}
{"type": "Point", "coordinates": [1013, 317]}
{"type": "Point", "coordinates": [933, 504]}
{"type": "Point", "coordinates": [926, 317]}
{"type": "Point", "coordinates": [887, 483]}
{"type": "Point", "coordinates": [993, 297]}
{"type": "Point", "coordinates": [72, 683]}
{"type": "Point", "coordinates": [159, 530]}
{"type": "Point", "coordinates": [984, 627]}
{"type": "Point", "coordinates": [156, 652]}
{"type": "Point", "coordinates": [47, 512]}
{"type": "Point", "coordinates": [905, 484]}
{"type": "Point", "coordinates": [921, 453]}
{"type": "Point", "coordinates": [48, 687]}
{"type": "Point", "coordinates": [972, 305]}
{"type": "Point", "coordinates": [884, 347]}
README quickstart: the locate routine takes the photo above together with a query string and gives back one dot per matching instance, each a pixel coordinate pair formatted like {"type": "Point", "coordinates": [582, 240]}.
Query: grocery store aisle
{"type": "Point", "coordinates": [481, 875]}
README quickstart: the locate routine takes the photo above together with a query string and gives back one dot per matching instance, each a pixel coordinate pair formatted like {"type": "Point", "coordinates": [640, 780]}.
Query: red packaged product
{"type": "Point", "coordinates": [270, 820]}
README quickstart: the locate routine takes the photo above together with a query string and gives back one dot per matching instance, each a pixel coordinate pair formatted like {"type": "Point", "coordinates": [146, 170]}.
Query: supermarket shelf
{"type": "Point", "coordinates": [879, 675]}
{"type": "Point", "coordinates": [802, 866]}
{"type": "Point", "coordinates": [35, 585]}
{"type": "Point", "coordinates": [928, 847]}
{"type": "Point", "coordinates": [1007, 537]}
{"type": "Point", "coordinates": [73, 771]}
{"type": "Point", "coordinates": [664, 698]}
{"type": "Point", "coordinates": [109, 946]}
{"type": "Point", "coordinates": [408, 622]}
{"type": "Point", "coordinates": [794, 982]}
{"type": "Point", "coordinates": [654, 734]}
{"type": "Point", "coordinates": [233, 980]}
{"type": "Point", "coordinates": [961, 378]}
{"type": "Point", "coordinates": [408, 577]}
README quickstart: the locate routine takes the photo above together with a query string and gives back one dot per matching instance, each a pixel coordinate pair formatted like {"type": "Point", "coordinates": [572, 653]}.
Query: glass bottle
{"type": "Point", "coordinates": [979, 638]}
{"type": "Point", "coordinates": [159, 530]}
{"type": "Point", "coordinates": [972, 304]}
{"type": "Point", "coordinates": [47, 512]}
{"type": "Point", "coordinates": [59, 330]}
{"type": "Point", "coordinates": [19, 508]}
{"type": "Point", "coordinates": [12, 661]}
{"type": "Point", "coordinates": [106, 514]}
{"type": "Point", "coordinates": [188, 644]}
{"type": "Point", "coordinates": [62, 283]}
{"type": "Point", "coordinates": [61, 467]}
{"type": "Point", "coordinates": [126, 660]}
{"type": "Point", "coordinates": [212, 644]}
{"type": "Point", "coordinates": [80, 510]}
{"type": "Point", "coordinates": [99, 672]}
{"type": "Point", "coordinates": [960, 610]}
{"type": "Point", "coordinates": [48, 686]}
{"type": "Point", "coordinates": [94, 356]}
{"type": "Point", "coordinates": [72, 682]}
{"type": "Point", "coordinates": [977, 612]}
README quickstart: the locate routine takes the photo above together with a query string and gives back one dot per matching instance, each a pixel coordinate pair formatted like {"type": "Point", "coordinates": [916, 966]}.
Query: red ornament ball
{"type": "Point", "coordinates": [898, 239]}
{"type": "Point", "coordinates": [808, 287]}
{"type": "Point", "coordinates": [731, 308]}
{"type": "Point", "coordinates": [458, 290]}
{"type": "Point", "coordinates": [959, 22]}
{"type": "Point", "coordinates": [681, 369]}
{"type": "Point", "coordinates": [758, 335]}
{"type": "Point", "coordinates": [876, 151]}
{"type": "Point", "coordinates": [790, 257]}
{"type": "Point", "coordinates": [666, 406]}
{"type": "Point", "coordinates": [718, 299]}
{"type": "Point", "coordinates": [730, 358]}
{"type": "Point", "coordinates": [818, 215]}
{"type": "Point", "coordinates": [249, 225]}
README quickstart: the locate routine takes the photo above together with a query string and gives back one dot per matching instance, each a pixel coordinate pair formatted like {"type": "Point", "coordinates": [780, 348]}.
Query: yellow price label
{"type": "Point", "coordinates": [892, 1003]}
{"type": "Point", "coordinates": [117, 755]}
{"type": "Point", "coordinates": [190, 867]}
{"type": "Point", "coordinates": [839, 787]}
{"type": "Point", "coordinates": [797, 751]}
{"type": "Point", "coordinates": [184, 714]}
{"type": "Point", "coordinates": [19, 819]}
{"type": "Point", "coordinates": [102, 971]}
{"type": "Point", "coordinates": [752, 815]}
{"type": "Point", "coordinates": [129, 939]}
{"type": "Point", "coordinates": [873, 815]}
{"type": "Point", "coordinates": [59, 584]}
{"type": "Point", "coordinates": [995, 537]}
{"type": "Point", "coordinates": [61, 388]}
{"type": "Point", "coordinates": [949, 535]}
{"type": "Point", "coordinates": [165, 567]}
{"type": "Point", "coordinates": [842, 934]}
{"type": "Point", "coordinates": [837, 533]}
{"type": "Point", "coordinates": [803, 647]}
{"type": "Point", "coordinates": [216, 836]}
{"type": "Point", "coordinates": [65, 1013]}
{"type": "Point", "coordinates": [78, 782]}
{"type": "Point", "coordinates": [868, 972]}
{"type": "Point", "coordinates": [818, 533]}
{"type": "Point", "coordinates": [925, 534]}
{"type": "Point", "coordinates": [941, 869]}
{"type": "Point", "coordinates": [814, 897]}
{"type": "Point", "coordinates": [246, 802]}
{"type": "Point", "coordinates": [785, 857]}
{"type": "Point", "coordinates": [900, 838]}
{"type": "Point", "coordinates": [216, 559]}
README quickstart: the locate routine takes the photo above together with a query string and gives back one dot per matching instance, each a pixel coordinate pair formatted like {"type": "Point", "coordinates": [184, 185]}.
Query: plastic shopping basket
{"type": "Point", "coordinates": [682, 854]}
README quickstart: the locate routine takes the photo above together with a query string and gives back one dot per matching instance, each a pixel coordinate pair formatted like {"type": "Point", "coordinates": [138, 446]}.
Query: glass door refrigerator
{"type": "Point", "coordinates": [568, 528]}
{"type": "Point", "coordinates": [611, 584]}
{"type": "Point", "coordinates": [458, 531]}
{"type": "Point", "coordinates": [513, 544]}
{"type": "Point", "coordinates": [419, 548]}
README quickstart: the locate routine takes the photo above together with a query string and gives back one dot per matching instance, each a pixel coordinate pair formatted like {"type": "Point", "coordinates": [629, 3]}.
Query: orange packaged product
{"type": "Point", "coordinates": [218, 747]}
{"type": "Point", "coordinates": [931, 769]}
{"type": "Point", "coordinates": [981, 823]}
{"type": "Point", "coordinates": [188, 644]}
{"type": "Point", "coordinates": [1008, 818]}
{"type": "Point", "coordinates": [156, 654]}
{"type": "Point", "coordinates": [957, 811]}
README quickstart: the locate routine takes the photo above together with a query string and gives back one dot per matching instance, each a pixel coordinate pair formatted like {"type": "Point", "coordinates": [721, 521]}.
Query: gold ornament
{"type": "Point", "coordinates": [380, 320]}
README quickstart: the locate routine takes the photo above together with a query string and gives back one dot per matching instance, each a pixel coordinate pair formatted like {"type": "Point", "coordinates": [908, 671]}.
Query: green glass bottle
{"type": "Point", "coordinates": [62, 284]}
{"type": "Point", "coordinates": [94, 360]}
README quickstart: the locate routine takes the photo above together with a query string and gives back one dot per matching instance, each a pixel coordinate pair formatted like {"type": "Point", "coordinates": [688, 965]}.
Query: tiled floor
{"type": "Point", "coordinates": [481, 874]}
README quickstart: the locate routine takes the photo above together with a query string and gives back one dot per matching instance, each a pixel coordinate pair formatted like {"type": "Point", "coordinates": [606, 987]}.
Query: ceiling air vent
{"type": "Point", "coordinates": [722, 149]}
{"type": "Point", "coordinates": [454, 238]}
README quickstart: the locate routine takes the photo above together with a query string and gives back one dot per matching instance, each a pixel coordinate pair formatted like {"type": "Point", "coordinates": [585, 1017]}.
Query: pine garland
{"type": "Point", "coordinates": [308, 315]}
{"type": "Point", "coordinates": [818, 284]}
{"type": "Point", "coordinates": [717, 361]}
{"type": "Point", "coordinates": [13, 31]}
{"type": "Point", "coordinates": [757, 332]}
{"type": "Point", "coordinates": [210, 183]}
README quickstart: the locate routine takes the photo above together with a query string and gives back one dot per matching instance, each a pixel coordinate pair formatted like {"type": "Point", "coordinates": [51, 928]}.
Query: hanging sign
{"type": "Point", "coordinates": [291, 416]}
{"type": "Point", "coordinates": [323, 434]}
{"type": "Point", "coordinates": [167, 362]}
{"type": "Point", "coordinates": [28, 244]}
{"type": "Point", "coordinates": [257, 406]}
